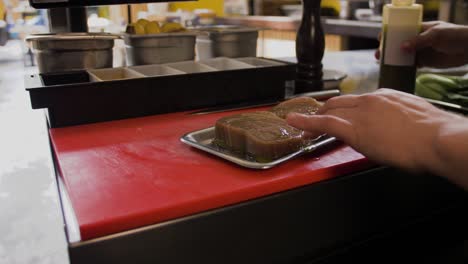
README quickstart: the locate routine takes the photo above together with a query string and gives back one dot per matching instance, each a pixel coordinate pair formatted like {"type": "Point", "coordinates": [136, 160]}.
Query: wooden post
{"type": "Point", "coordinates": [310, 47]}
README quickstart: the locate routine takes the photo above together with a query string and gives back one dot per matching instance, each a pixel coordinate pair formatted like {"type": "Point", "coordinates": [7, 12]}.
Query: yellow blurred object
{"type": "Point", "coordinates": [348, 85]}
{"type": "Point", "coordinates": [139, 29]}
{"type": "Point", "coordinates": [144, 26]}
{"type": "Point", "coordinates": [431, 5]}
{"type": "Point", "coordinates": [142, 22]}
{"type": "Point", "coordinates": [2, 10]}
{"type": "Point", "coordinates": [103, 11]}
{"type": "Point", "coordinates": [333, 4]}
{"type": "Point", "coordinates": [216, 5]}
{"type": "Point", "coordinates": [152, 28]}
{"type": "Point", "coordinates": [171, 27]}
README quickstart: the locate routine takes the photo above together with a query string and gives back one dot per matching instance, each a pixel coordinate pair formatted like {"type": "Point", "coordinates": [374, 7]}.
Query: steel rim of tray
{"type": "Point", "coordinates": [188, 139]}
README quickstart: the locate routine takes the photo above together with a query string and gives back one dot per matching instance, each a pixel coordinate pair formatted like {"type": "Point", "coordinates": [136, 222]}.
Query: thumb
{"type": "Point", "coordinates": [423, 40]}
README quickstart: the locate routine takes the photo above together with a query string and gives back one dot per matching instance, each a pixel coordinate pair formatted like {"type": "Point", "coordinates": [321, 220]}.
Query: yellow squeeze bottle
{"type": "Point", "coordinates": [401, 21]}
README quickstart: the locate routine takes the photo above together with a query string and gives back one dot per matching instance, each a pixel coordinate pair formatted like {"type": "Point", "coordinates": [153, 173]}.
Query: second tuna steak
{"type": "Point", "coordinates": [264, 135]}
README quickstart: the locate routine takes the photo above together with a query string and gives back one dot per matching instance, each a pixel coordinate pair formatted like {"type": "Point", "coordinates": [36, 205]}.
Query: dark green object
{"type": "Point", "coordinates": [451, 89]}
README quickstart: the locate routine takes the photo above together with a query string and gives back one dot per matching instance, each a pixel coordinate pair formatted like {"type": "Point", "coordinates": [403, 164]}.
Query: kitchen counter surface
{"type": "Point", "coordinates": [31, 225]}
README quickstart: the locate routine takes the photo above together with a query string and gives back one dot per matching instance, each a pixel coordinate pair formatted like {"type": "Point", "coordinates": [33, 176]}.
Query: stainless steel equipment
{"type": "Point", "coordinates": [3, 33]}
{"type": "Point", "coordinates": [203, 140]}
{"type": "Point", "coordinates": [72, 51]}
{"type": "Point", "coordinates": [227, 41]}
{"type": "Point", "coordinates": [377, 6]}
{"type": "Point", "coordinates": [160, 48]}
{"type": "Point", "coordinates": [79, 3]}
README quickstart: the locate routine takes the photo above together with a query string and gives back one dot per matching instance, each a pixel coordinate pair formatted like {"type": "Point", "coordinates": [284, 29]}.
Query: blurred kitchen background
{"type": "Point", "coordinates": [349, 25]}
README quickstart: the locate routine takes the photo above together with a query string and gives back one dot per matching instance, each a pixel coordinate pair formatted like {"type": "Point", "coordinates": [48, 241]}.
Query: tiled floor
{"type": "Point", "coordinates": [31, 223]}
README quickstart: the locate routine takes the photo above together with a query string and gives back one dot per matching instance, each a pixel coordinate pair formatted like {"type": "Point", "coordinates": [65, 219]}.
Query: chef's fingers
{"type": "Point", "coordinates": [377, 52]}
{"type": "Point", "coordinates": [343, 101]}
{"type": "Point", "coordinates": [409, 46]}
{"type": "Point", "coordinates": [347, 114]}
{"type": "Point", "coordinates": [430, 24]}
{"type": "Point", "coordinates": [407, 100]}
{"type": "Point", "coordinates": [423, 40]}
{"type": "Point", "coordinates": [395, 95]}
{"type": "Point", "coordinates": [309, 135]}
{"type": "Point", "coordinates": [323, 124]}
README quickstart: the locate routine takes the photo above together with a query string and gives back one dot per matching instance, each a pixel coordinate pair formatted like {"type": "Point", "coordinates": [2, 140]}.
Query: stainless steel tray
{"type": "Point", "coordinates": [202, 139]}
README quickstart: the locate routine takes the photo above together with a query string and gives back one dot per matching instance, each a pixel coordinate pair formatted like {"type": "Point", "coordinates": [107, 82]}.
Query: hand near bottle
{"type": "Point", "coordinates": [440, 45]}
{"type": "Point", "coordinates": [396, 129]}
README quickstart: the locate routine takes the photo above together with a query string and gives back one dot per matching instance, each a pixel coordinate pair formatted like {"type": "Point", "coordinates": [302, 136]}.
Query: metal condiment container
{"type": "Point", "coordinates": [226, 41]}
{"type": "Point", "coordinates": [160, 48]}
{"type": "Point", "coordinates": [72, 51]}
{"type": "Point", "coordinates": [3, 33]}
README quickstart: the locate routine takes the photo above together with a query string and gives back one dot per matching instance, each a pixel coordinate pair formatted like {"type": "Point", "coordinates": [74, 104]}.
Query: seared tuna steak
{"type": "Point", "coordinates": [264, 135]}
{"type": "Point", "coordinates": [261, 135]}
{"type": "Point", "coordinates": [303, 105]}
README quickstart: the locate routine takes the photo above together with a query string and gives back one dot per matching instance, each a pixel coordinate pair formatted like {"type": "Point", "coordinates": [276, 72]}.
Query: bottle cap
{"type": "Point", "coordinates": [402, 2]}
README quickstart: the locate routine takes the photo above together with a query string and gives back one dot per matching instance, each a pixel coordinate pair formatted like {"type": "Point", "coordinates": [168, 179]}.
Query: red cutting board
{"type": "Point", "coordinates": [130, 173]}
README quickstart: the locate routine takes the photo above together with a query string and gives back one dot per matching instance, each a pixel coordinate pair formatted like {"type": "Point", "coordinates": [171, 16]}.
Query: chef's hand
{"type": "Point", "coordinates": [396, 129]}
{"type": "Point", "coordinates": [440, 45]}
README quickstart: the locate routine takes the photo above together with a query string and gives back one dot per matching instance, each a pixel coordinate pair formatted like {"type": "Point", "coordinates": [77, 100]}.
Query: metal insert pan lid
{"type": "Point", "coordinates": [72, 41]}
{"type": "Point", "coordinates": [71, 36]}
{"type": "Point", "coordinates": [224, 29]}
{"type": "Point", "coordinates": [160, 35]}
